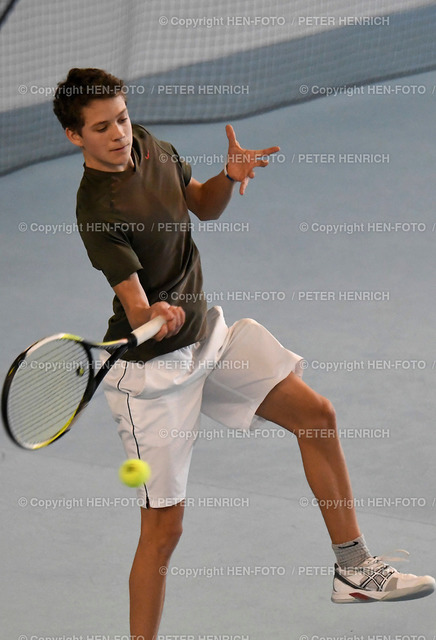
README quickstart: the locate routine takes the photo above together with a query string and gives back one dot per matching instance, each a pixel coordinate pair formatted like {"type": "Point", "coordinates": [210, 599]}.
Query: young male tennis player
{"type": "Point", "coordinates": [132, 211]}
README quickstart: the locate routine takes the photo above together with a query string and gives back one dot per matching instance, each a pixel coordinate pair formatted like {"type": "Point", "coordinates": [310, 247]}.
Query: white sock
{"type": "Point", "coordinates": [352, 553]}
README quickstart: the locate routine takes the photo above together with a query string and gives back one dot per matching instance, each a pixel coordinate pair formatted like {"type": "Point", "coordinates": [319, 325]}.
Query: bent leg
{"type": "Point", "coordinates": [293, 405]}
{"type": "Point", "coordinates": [160, 532]}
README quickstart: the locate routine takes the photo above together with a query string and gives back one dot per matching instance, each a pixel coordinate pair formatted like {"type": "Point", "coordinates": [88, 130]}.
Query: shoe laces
{"type": "Point", "coordinates": [388, 558]}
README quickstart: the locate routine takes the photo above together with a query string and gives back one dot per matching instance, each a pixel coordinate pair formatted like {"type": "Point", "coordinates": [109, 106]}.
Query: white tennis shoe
{"type": "Point", "coordinates": [375, 581]}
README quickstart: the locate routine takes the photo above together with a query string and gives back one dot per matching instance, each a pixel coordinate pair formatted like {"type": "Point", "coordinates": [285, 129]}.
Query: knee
{"type": "Point", "coordinates": [319, 421]}
{"type": "Point", "coordinates": [170, 536]}
{"type": "Point", "coordinates": [327, 414]}
{"type": "Point", "coordinates": [165, 540]}
{"type": "Point", "coordinates": [162, 537]}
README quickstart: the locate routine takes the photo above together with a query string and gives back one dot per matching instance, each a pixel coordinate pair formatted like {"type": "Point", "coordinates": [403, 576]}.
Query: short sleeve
{"type": "Point", "coordinates": [185, 166]}
{"type": "Point", "coordinates": [109, 250]}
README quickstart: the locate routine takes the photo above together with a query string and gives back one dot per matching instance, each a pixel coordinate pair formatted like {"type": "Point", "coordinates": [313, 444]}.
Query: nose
{"type": "Point", "coordinates": [118, 132]}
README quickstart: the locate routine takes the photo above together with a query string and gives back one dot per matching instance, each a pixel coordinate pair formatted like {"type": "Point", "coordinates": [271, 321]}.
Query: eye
{"type": "Point", "coordinates": [124, 119]}
{"type": "Point", "coordinates": [101, 130]}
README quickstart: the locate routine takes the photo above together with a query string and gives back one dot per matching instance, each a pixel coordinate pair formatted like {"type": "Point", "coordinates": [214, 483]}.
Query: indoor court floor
{"type": "Point", "coordinates": [332, 249]}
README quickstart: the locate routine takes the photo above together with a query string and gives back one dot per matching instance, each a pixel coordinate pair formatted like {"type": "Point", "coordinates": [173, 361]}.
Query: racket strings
{"type": "Point", "coordinates": [51, 357]}
{"type": "Point", "coordinates": [47, 389]}
{"type": "Point", "coordinates": [50, 417]}
{"type": "Point", "coordinates": [33, 393]}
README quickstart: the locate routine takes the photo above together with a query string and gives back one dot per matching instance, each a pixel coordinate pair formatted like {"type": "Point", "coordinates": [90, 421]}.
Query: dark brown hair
{"type": "Point", "coordinates": [78, 90]}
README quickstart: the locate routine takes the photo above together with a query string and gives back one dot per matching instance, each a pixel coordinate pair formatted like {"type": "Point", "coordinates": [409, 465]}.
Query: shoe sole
{"type": "Point", "coordinates": [359, 596]}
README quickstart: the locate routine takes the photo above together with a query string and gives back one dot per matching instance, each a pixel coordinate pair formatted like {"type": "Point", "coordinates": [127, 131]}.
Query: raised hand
{"type": "Point", "coordinates": [241, 162]}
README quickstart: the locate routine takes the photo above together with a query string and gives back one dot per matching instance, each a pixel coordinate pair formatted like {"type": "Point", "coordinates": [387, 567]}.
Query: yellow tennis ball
{"type": "Point", "coordinates": [134, 472]}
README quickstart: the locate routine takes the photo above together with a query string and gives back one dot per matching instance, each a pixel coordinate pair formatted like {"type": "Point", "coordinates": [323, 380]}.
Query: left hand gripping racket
{"type": "Point", "coordinates": [53, 380]}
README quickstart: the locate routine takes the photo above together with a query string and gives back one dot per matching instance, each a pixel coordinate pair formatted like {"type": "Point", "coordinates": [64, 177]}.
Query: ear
{"type": "Point", "coordinates": [74, 137]}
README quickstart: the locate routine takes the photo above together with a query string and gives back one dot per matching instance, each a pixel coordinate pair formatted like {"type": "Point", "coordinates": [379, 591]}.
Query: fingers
{"type": "Point", "coordinates": [259, 156]}
{"type": "Point", "coordinates": [261, 163]}
{"type": "Point", "coordinates": [243, 186]}
{"type": "Point", "coordinates": [268, 152]}
{"type": "Point", "coordinates": [231, 136]}
{"type": "Point", "coordinates": [174, 316]}
{"type": "Point", "coordinates": [250, 159]}
{"type": "Point", "coordinates": [245, 182]}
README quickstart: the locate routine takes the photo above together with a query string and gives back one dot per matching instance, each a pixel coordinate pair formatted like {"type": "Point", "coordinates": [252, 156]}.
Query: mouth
{"type": "Point", "coordinates": [123, 148]}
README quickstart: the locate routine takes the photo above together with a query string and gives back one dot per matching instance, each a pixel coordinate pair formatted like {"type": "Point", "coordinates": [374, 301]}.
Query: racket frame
{"type": "Point", "coordinates": [116, 348]}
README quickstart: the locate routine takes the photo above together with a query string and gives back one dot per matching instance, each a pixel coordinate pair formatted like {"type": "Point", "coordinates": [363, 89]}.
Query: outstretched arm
{"type": "Point", "coordinates": [209, 199]}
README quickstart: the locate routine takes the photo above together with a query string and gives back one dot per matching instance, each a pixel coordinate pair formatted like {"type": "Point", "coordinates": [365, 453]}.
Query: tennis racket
{"type": "Point", "coordinates": [53, 380]}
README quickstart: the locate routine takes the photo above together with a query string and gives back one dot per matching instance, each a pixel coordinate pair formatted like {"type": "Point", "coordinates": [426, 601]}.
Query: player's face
{"type": "Point", "coordinates": [106, 137]}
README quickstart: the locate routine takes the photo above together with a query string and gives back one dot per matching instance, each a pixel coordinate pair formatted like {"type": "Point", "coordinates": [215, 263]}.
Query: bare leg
{"type": "Point", "coordinates": [296, 407]}
{"type": "Point", "coordinates": [160, 532]}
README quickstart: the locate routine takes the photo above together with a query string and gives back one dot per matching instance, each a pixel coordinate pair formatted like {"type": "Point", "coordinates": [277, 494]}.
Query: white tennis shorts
{"type": "Point", "coordinates": [157, 404]}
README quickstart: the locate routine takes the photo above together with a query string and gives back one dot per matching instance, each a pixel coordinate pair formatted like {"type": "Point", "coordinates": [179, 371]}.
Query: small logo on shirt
{"type": "Point", "coordinates": [148, 155]}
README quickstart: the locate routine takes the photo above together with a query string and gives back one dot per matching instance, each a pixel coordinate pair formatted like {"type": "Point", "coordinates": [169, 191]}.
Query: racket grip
{"type": "Point", "coordinates": [147, 330]}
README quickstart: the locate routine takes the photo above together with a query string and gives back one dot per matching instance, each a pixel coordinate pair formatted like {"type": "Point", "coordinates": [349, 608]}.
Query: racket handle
{"type": "Point", "coordinates": [147, 330]}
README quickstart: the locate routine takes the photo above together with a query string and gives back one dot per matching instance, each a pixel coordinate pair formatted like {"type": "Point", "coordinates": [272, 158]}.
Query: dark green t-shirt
{"type": "Point", "coordinates": [137, 220]}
